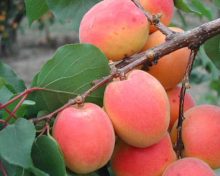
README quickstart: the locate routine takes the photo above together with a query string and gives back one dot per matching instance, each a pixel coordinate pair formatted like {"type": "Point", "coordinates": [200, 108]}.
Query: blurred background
{"type": "Point", "coordinates": [27, 47]}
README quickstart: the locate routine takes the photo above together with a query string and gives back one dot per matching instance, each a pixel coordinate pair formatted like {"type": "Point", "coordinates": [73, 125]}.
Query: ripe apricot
{"type": "Point", "coordinates": [86, 137]}
{"type": "Point", "coordinates": [200, 134]}
{"type": "Point", "coordinates": [173, 95]}
{"type": "Point", "coordinates": [165, 8]}
{"type": "Point", "coordinates": [189, 167]}
{"type": "Point", "coordinates": [150, 161]}
{"type": "Point", "coordinates": [170, 69]}
{"type": "Point", "coordinates": [139, 108]}
{"type": "Point", "coordinates": [117, 27]}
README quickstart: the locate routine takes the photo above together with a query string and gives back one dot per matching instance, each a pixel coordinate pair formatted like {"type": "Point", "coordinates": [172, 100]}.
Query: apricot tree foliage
{"type": "Point", "coordinates": [78, 73]}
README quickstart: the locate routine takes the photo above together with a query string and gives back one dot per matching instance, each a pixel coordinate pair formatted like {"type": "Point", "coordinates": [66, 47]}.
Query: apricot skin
{"type": "Point", "coordinates": [139, 109]}
{"type": "Point", "coordinates": [200, 134]}
{"type": "Point", "coordinates": [189, 167]}
{"type": "Point", "coordinates": [85, 136]}
{"type": "Point", "coordinates": [150, 161]}
{"type": "Point", "coordinates": [170, 69]}
{"type": "Point", "coordinates": [162, 7]}
{"type": "Point", "coordinates": [173, 95]}
{"type": "Point", "coordinates": [117, 27]}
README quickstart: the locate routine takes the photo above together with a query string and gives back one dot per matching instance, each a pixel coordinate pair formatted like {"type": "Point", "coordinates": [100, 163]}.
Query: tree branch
{"type": "Point", "coordinates": [192, 39]}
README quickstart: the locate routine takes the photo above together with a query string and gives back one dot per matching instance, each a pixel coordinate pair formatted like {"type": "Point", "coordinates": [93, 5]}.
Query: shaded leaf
{"type": "Point", "coordinates": [47, 157]}
{"type": "Point", "coordinates": [212, 49]}
{"type": "Point", "coordinates": [11, 169]}
{"type": "Point", "coordinates": [16, 142]}
{"type": "Point", "coordinates": [193, 6]}
{"type": "Point", "coordinates": [71, 10]}
{"type": "Point", "coordinates": [9, 75]}
{"type": "Point", "coordinates": [217, 3]}
{"type": "Point", "coordinates": [35, 9]}
{"type": "Point", "coordinates": [21, 112]}
{"type": "Point", "coordinates": [5, 94]}
{"type": "Point", "coordinates": [69, 73]}
{"type": "Point", "coordinates": [208, 64]}
{"type": "Point", "coordinates": [215, 85]}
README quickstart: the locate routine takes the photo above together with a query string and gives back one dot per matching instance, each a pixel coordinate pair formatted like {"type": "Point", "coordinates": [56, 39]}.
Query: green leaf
{"type": "Point", "coordinates": [35, 9]}
{"type": "Point", "coordinates": [5, 83]}
{"type": "Point", "coordinates": [16, 142]}
{"type": "Point", "coordinates": [9, 75]}
{"type": "Point", "coordinates": [70, 10]}
{"type": "Point", "coordinates": [21, 112]}
{"type": "Point", "coordinates": [5, 94]}
{"type": "Point", "coordinates": [208, 64]}
{"type": "Point", "coordinates": [193, 6]}
{"type": "Point", "coordinates": [212, 49]}
{"type": "Point", "coordinates": [215, 85]}
{"type": "Point", "coordinates": [47, 157]}
{"type": "Point", "coordinates": [217, 171]}
{"type": "Point", "coordinates": [11, 169]}
{"type": "Point", "coordinates": [69, 73]}
{"type": "Point", "coordinates": [217, 3]}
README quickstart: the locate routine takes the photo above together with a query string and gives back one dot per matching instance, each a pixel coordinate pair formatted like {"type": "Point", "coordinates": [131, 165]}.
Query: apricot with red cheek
{"type": "Point", "coordinates": [200, 134]}
{"type": "Point", "coordinates": [189, 167]}
{"type": "Point", "coordinates": [85, 136]}
{"type": "Point", "coordinates": [138, 108]}
{"type": "Point", "coordinates": [174, 99]}
{"type": "Point", "coordinates": [150, 161]}
{"type": "Point", "coordinates": [117, 27]}
{"type": "Point", "coordinates": [170, 68]}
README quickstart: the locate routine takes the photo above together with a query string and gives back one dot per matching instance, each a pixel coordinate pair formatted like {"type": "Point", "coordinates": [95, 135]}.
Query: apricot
{"type": "Point", "coordinates": [150, 161]}
{"type": "Point", "coordinates": [170, 69]}
{"type": "Point", "coordinates": [163, 7]}
{"type": "Point", "coordinates": [85, 136]}
{"type": "Point", "coordinates": [200, 134]}
{"type": "Point", "coordinates": [117, 27]}
{"type": "Point", "coordinates": [173, 95]}
{"type": "Point", "coordinates": [139, 108]}
{"type": "Point", "coordinates": [189, 167]}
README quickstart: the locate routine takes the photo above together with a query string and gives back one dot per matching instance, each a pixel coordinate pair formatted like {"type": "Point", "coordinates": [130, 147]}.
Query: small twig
{"type": "Point", "coordinates": [9, 112]}
{"type": "Point", "coordinates": [26, 92]}
{"type": "Point", "coordinates": [49, 116]}
{"type": "Point", "coordinates": [46, 128]}
{"type": "Point", "coordinates": [98, 84]}
{"type": "Point", "coordinates": [16, 108]}
{"type": "Point", "coordinates": [4, 123]}
{"type": "Point", "coordinates": [185, 85]}
{"type": "Point", "coordinates": [2, 169]}
{"type": "Point", "coordinates": [154, 20]}
{"type": "Point", "coordinates": [195, 37]}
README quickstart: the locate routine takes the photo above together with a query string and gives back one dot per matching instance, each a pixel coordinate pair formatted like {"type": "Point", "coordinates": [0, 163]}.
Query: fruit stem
{"type": "Point", "coordinates": [185, 85]}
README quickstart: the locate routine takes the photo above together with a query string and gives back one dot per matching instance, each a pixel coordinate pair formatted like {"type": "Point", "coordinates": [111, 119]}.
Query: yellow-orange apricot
{"type": "Point", "coordinates": [150, 161]}
{"type": "Point", "coordinates": [139, 108]}
{"type": "Point", "coordinates": [189, 167]}
{"type": "Point", "coordinates": [170, 69]}
{"type": "Point", "coordinates": [173, 95]}
{"type": "Point", "coordinates": [165, 8]}
{"type": "Point", "coordinates": [85, 136]}
{"type": "Point", "coordinates": [117, 27]}
{"type": "Point", "coordinates": [200, 134]}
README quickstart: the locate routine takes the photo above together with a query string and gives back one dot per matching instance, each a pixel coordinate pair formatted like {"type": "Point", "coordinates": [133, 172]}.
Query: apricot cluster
{"type": "Point", "coordinates": [140, 111]}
